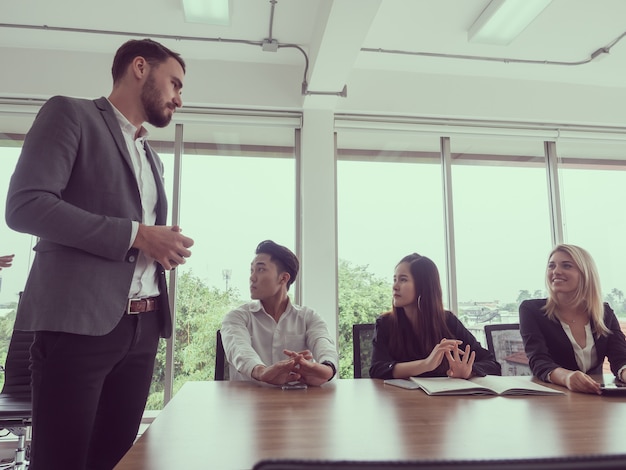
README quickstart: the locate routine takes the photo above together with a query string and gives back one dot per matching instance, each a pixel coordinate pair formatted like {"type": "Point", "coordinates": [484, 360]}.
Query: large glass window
{"type": "Point", "coordinates": [390, 204]}
{"type": "Point", "coordinates": [13, 279]}
{"type": "Point", "coordinates": [238, 186]}
{"type": "Point", "coordinates": [234, 194]}
{"type": "Point", "coordinates": [502, 227]}
{"type": "Point", "coordinates": [237, 189]}
{"type": "Point", "coordinates": [593, 186]}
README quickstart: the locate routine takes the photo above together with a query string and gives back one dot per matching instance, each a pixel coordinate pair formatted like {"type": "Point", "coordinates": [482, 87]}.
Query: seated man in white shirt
{"type": "Point", "coordinates": [270, 339]}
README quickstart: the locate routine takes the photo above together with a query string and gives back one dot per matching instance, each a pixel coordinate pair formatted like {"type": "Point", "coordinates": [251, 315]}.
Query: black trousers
{"type": "Point", "coordinates": [89, 393]}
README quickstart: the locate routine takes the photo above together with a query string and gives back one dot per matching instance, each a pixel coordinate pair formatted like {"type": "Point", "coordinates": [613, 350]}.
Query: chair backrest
{"type": "Point", "coordinates": [221, 364]}
{"type": "Point", "coordinates": [17, 364]}
{"type": "Point", "coordinates": [504, 341]}
{"type": "Point", "coordinates": [362, 335]}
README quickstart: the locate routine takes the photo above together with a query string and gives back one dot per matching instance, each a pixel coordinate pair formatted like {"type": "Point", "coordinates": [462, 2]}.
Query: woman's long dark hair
{"type": "Point", "coordinates": [431, 326]}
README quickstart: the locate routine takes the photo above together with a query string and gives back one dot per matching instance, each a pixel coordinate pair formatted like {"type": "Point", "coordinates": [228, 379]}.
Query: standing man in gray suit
{"type": "Point", "coordinates": [90, 187]}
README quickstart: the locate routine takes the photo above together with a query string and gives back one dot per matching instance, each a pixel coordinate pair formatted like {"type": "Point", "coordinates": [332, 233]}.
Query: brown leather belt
{"type": "Point", "coordinates": [135, 306]}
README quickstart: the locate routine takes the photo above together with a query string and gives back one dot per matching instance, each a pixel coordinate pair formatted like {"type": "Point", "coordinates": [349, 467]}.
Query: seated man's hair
{"type": "Point", "coordinates": [284, 258]}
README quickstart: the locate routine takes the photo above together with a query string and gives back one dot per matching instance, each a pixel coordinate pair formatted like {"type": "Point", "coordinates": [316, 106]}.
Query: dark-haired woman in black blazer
{"type": "Point", "coordinates": [419, 337]}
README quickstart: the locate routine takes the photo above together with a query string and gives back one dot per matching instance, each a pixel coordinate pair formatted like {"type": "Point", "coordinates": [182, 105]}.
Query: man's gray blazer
{"type": "Point", "coordinates": [74, 187]}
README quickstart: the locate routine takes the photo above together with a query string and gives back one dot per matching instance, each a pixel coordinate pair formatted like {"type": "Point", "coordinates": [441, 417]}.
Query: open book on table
{"type": "Point", "coordinates": [489, 385]}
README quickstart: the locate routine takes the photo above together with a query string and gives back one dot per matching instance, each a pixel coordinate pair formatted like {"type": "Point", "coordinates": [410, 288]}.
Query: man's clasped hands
{"type": "Point", "coordinates": [298, 367]}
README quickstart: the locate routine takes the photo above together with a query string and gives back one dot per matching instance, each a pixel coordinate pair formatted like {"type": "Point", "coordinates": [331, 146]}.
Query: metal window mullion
{"type": "Point", "coordinates": [175, 205]}
{"type": "Point", "coordinates": [554, 194]}
{"type": "Point", "coordinates": [446, 175]}
{"type": "Point", "coordinates": [336, 241]}
{"type": "Point", "coordinates": [298, 215]}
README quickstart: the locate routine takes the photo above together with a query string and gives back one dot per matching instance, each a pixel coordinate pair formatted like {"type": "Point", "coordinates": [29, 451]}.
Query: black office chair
{"type": "Point", "coordinates": [15, 397]}
{"type": "Point", "coordinates": [362, 335]}
{"type": "Point", "coordinates": [222, 371]}
{"type": "Point", "coordinates": [584, 462]}
{"type": "Point", "coordinates": [505, 343]}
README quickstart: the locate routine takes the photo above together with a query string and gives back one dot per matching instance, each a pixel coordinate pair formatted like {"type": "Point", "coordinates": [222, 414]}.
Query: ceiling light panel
{"type": "Point", "coordinates": [503, 20]}
{"type": "Point", "coordinates": [215, 12]}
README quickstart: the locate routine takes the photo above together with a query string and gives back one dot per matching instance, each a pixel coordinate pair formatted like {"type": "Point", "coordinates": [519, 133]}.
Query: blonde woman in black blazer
{"type": "Point", "coordinates": [568, 335]}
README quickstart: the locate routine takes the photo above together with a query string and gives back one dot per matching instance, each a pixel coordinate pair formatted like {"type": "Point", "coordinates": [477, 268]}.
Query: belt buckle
{"type": "Point", "coordinates": [128, 308]}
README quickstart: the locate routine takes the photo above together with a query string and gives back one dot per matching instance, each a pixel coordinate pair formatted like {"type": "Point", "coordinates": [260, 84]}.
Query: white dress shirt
{"type": "Point", "coordinates": [252, 337]}
{"type": "Point", "coordinates": [587, 356]}
{"type": "Point", "coordinates": [144, 282]}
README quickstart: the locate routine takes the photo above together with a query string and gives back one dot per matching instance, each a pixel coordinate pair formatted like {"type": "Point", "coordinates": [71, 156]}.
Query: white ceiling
{"type": "Point", "coordinates": [333, 34]}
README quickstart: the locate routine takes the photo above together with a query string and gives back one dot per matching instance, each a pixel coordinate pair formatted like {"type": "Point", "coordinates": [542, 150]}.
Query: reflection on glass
{"type": "Point", "coordinates": [362, 410]}
{"type": "Point", "coordinates": [522, 427]}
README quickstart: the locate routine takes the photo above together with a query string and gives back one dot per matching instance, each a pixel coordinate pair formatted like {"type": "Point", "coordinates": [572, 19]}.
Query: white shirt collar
{"type": "Point", "coordinates": [126, 126]}
{"type": "Point", "coordinates": [257, 306]}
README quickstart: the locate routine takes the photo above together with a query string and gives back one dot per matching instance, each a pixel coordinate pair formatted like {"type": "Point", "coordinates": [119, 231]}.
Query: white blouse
{"type": "Point", "coordinates": [587, 356]}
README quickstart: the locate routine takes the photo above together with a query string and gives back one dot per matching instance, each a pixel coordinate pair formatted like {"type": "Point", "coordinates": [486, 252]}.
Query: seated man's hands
{"type": "Point", "coordinates": [298, 367]}
{"type": "Point", "coordinates": [277, 374]}
{"type": "Point", "coordinates": [311, 373]}
{"type": "Point", "coordinates": [306, 354]}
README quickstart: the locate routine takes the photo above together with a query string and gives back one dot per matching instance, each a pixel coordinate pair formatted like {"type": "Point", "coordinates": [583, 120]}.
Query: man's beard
{"type": "Point", "coordinates": [153, 106]}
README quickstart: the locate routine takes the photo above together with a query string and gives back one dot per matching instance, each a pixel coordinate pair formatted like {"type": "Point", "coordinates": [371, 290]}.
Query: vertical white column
{"type": "Point", "coordinates": [319, 215]}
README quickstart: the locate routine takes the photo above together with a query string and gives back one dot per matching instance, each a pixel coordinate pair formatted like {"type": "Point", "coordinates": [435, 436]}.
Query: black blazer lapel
{"type": "Point", "coordinates": [114, 127]}
{"type": "Point", "coordinates": [157, 171]}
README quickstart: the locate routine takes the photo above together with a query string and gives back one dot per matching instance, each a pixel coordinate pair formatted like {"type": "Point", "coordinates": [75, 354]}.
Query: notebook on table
{"type": "Point", "coordinates": [489, 385]}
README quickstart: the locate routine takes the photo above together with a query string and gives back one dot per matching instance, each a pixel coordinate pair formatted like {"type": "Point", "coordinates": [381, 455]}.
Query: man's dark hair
{"type": "Point", "coordinates": [152, 51]}
{"type": "Point", "coordinates": [282, 256]}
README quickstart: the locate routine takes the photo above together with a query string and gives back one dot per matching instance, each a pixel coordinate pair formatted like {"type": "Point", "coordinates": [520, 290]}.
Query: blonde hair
{"type": "Point", "coordinates": [588, 293]}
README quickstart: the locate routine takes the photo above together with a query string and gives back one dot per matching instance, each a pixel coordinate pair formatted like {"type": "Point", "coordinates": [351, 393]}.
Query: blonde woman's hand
{"type": "Point", "coordinates": [460, 362]}
{"type": "Point", "coordinates": [578, 381]}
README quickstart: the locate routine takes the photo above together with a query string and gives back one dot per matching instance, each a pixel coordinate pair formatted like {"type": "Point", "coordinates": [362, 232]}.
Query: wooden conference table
{"type": "Point", "coordinates": [233, 425]}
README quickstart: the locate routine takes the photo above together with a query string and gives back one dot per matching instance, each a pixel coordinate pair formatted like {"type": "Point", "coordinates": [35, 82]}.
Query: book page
{"type": "Point", "coordinates": [489, 385]}
{"type": "Point", "coordinates": [450, 386]}
{"type": "Point", "coordinates": [402, 383]}
{"type": "Point", "coordinates": [513, 385]}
